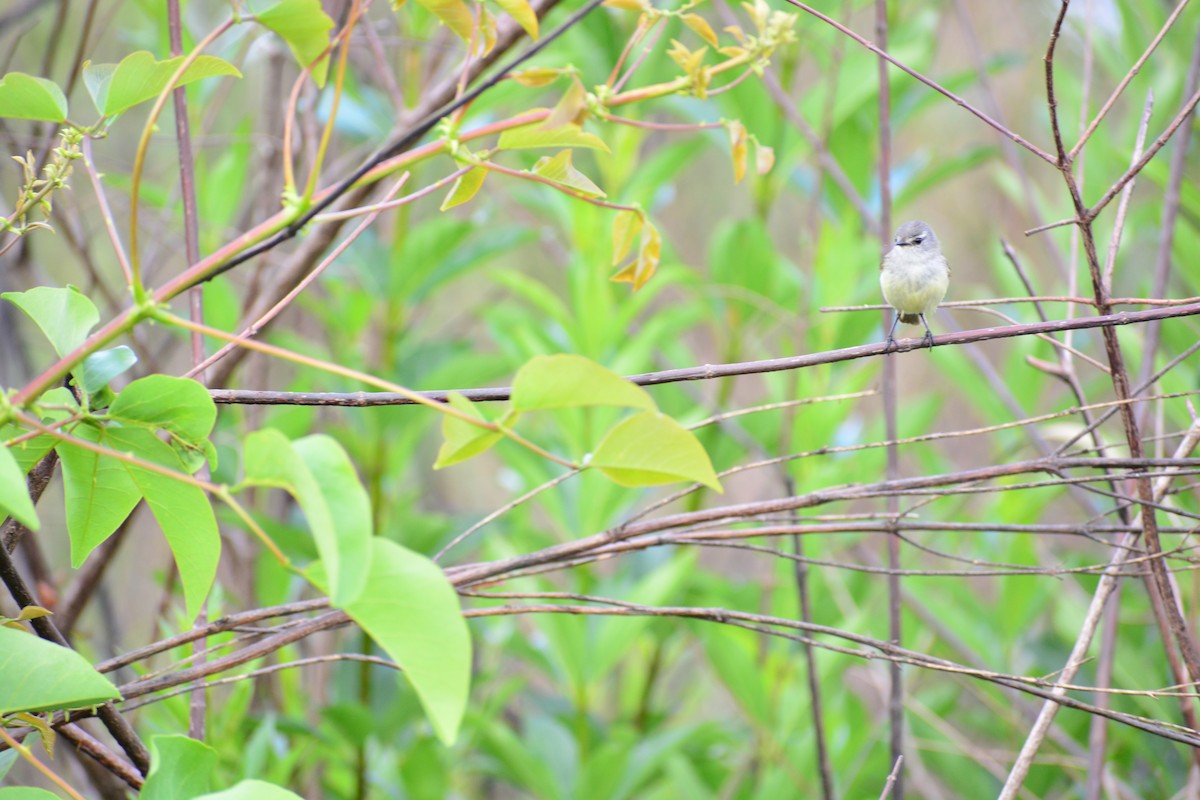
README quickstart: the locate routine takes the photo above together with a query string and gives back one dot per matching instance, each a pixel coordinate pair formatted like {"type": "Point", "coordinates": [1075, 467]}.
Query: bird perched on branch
{"type": "Point", "coordinates": [914, 276]}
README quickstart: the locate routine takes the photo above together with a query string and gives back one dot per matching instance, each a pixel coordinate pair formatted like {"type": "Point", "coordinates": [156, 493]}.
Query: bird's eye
{"type": "Point", "coordinates": [918, 239]}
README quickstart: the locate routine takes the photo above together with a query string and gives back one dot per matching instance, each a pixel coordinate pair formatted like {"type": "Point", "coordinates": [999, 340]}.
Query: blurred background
{"type": "Point", "coordinates": [584, 707]}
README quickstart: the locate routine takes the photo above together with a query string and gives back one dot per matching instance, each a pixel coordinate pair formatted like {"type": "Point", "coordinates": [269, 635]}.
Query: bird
{"type": "Point", "coordinates": [914, 277]}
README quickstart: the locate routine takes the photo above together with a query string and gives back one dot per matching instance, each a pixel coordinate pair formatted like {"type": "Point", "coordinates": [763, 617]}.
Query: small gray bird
{"type": "Point", "coordinates": [914, 276]}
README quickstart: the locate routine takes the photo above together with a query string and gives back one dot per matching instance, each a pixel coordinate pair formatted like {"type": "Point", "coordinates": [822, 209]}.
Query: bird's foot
{"type": "Point", "coordinates": [928, 340]}
{"type": "Point", "coordinates": [889, 346]}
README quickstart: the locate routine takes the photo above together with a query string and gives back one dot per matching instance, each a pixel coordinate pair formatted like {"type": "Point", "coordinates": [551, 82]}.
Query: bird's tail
{"type": "Point", "coordinates": [910, 319]}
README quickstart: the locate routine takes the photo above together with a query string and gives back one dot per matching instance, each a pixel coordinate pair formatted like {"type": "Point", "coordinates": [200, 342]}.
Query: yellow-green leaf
{"type": "Point", "coordinates": [487, 22]}
{"type": "Point", "coordinates": [460, 439]}
{"type": "Point", "coordinates": [645, 265]}
{"type": "Point", "coordinates": [454, 13]}
{"type": "Point", "coordinates": [737, 136]}
{"type": "Point", "coordinates": [26, 97]}
{"type": "Point", "coordinates": [649, 449]}
{"type": "Point", "coordinates": [626, 225]}
{"type": "Point", "coordinates": [560, 170]}
{"type": "Point", "coordinates": [305, 26]}
{"type": "Point", "coordinates": [523, 14]}
{"type": "Point", "coordinates": [536, 76]}
{"type": "Point", "coordinates": [700, 25]}
{"type": "Point", "coordinates": [465, 187]}
{"type": "Point", "coordinates": [571, 109]}
{"type": "Point", "coordinates": [573, 381]}
{"type": "Point", "coordinates": [528, 137]}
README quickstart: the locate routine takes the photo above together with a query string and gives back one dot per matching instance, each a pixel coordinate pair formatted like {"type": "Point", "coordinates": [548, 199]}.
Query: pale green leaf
{"type": "Point", "coordinates": [560, 170]}
{"type": "Point", "coordinates": [461, 440]}
{"type": "Point", "coordinates": [626, 226]}
{"type": "Point", "coordinates": [572, 381]}
{"type": "Point", "coordinates": [523, 13]}
{"type": "Point", "coordinates": [333, 501]}
{"type": "Point", "coordinates": [649, 449]}
{"type": "Point", "coordinates": [410, 609]}
{"type": "Point", "coordinates": [349, 507]}
{"type": "Point", "coordinates": [25, 792]}
{"type": "Point", "coordinates": [454, 13]}
{"type": "Point", "coordinates": [251, 790]}
{"type": "Point", "coordinates": [465, 187]}
{"type": "Point", "coordinates": [529, 137]}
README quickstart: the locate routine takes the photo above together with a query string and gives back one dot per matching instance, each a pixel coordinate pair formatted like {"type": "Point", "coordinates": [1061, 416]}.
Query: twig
{"type": "Point", "coordinates": [713, 371]}
{"type": "Point", "coordinates": [1114, 242]}
{"type": "Point", "coordinates": [1037, 151]}
{"type": "Point", "coordinates": [1129, 76]}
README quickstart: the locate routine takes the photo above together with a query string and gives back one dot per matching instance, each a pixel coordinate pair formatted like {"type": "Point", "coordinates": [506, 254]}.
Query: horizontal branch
{"type": "Point", "coordinates": [711, 371]}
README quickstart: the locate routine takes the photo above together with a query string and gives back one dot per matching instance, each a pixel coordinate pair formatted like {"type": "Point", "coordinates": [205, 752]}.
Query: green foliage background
{"type": "Point", "coordinates": [569, 706]}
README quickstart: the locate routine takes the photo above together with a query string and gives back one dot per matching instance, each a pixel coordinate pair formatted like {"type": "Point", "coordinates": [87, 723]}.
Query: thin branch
{"type": "Point", "coordinates": [1129, 76]}
{"type": "Point", "coordinates": [1037, 151]}
{"type": "Point", "coordinates": [713, 371]}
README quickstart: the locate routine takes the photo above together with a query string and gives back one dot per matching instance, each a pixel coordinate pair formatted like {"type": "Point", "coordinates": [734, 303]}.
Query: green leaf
{"type": "Point", "coordinates": [26, 97]}
{"type": "Point", "coordinates": [410, 609]}
{"type": "Point", "coordinates": [180, 768]}
{"type": "Point", "coordinates": [25, 792]}
{"type": "Point", "coordinates": [572, 381]}
{"type": "Point", "coordinates": [96, 78]}
{"type": "Point", "coordinates": [454, 13]}
{"type": "Point", "coordinates": [560, 170]}
{"type": "Point", "coordinates": [99, 493]}
{"type": "Point", "coordinates": [36, 675]}
{"type": "Point", "coordinates": [523, 14]}
{"type": "Point", "coordinates": [182, 510]}
{"type": "Point", "coordinates": [100, 368]}
{"type": "Point", "coordinates": [462, 440]}
{"type": "Point", "coordinates": [252, 790]}
{"type": "Point", "coordinates": [464, 188]}
{"type": "Point", "coordinates": [349, 507]}
{"type": "Point", "coordinates": [15, 501]}
{"type": "Point", "coordinates": [305, 27]}
{"type": "Point", "coordinates": [30, 451]}
{"type": "Point", "coordinates": [318, 473]}
{"type": "Point", "coordinates": [626, 226]}
{"type": "Point", "coordinates": [532, 136]}
{"type": "Point", "coordinates": [64, 315]}
{"type": "Point", "coordinates": [649, 449]}
{"type": "Point", "coordinates": [180, 406]}
{"type": "Point", "coordinates": [140, 77]}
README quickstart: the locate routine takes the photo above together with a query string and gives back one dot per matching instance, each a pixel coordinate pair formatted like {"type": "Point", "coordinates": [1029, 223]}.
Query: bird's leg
{"type": "Point", "coordinates": [928, 333]}
{"type": "Point", "coordinates": [890, 341]}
